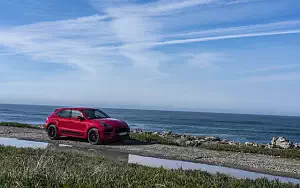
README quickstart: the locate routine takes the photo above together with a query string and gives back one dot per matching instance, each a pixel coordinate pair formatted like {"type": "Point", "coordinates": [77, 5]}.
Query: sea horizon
{"type": "Point", "coordinates": [154, 109]}
{"type": "Point", "coordinates": [236, 127]}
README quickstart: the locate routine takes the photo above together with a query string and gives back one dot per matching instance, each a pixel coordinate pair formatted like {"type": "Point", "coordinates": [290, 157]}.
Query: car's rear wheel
{"type": "Point", "coordinates": [52, 132]}
{"type": "Point", "coordinates": [94, 136]}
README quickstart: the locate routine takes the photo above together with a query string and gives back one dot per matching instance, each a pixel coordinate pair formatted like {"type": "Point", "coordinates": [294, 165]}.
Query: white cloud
{"type": "Point", "coordinates": [205, 60]}
{"type": "Point", "coordinates": [272, 68]}
{"type": "Point", "coordinates": [222, 37]}
{"type": "Point", "coordinates": [274, 78]}
{"type": "Point", "coordinates": [284, 25]}
{"type": "Point", "coordinates": [158, 8]}
{"type": "Point", "coordinates": [123, 34]}
{"type": "Point", "coordinates": [171, 5]}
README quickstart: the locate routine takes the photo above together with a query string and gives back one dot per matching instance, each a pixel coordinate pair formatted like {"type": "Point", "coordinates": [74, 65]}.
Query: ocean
{"type": "Point", "coordinates": [237, 127]}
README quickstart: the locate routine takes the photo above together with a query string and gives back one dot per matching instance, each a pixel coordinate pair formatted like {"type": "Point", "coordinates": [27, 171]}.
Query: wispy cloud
{"type": "Point", "coordinates": [126, 33]}
{"type": "Point", "coordinates": [272, 68]}
{"type": "Point", "coordinates": [207, 60]}
{"type": "Point", "coordinates": [274, 78]}
{"type": "Point", "coordinates": [284, 25]}
{"type": "Point", "coordinates": [222, 37]}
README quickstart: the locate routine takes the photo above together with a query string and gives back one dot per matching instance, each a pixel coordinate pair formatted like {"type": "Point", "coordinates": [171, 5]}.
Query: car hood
{"type": "Point", "coordinates": [112, 122]}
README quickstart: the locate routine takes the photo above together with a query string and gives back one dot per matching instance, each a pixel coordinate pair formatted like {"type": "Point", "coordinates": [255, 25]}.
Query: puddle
{"type": "Point", "coordinates": [146, 161]}
{"type": "Point", "coordinates": [109, 155]}
{"type": "Point", "coordinates": [22, 143]}
{"type": "Point", "coordinates": [175, 164]}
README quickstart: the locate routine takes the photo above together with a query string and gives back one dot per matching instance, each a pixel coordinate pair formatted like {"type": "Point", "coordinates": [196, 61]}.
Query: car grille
{"type": "Point", "coordinates": [108, 131]}
{"type": "Point", "coordinates": [122, 129]}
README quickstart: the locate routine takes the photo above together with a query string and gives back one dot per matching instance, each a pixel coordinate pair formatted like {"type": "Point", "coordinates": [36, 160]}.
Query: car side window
{"type": "Point", "coordinates": [98, 114]}
{"type": "Point", "coordinates": [64, 113]}
{"type": "Point", "coordinates": [76, 113]}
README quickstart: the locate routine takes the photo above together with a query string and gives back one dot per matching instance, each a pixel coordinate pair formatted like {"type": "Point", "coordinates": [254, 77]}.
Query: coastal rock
{"type": "Point", "coordinates": [166, 133]}
{"type": "Point", "coordinates": [193, 143]}
{"type": "Point", "coordinates": [232, 143]}
{"type": "Point", "coordinates": [212, 138]}
{"type": "Point", "coordinates": [281, 142]}
{"type": "Point", "coordinates": [188, 143]}
{"type": "Point", "coordinates": [285, 145]}
{"type": "Point", "coordinates": [296, 145]}
{"type": "Point", "coordinates": [180, 142]}
{"type": "Point", "coordinates": [225, 141]}
{"type": "Point", "coordinates": [175, 135]}
{"type": "Point", "coordinates": [137, 131]}
{"type": "Point", "coordinates": [251, 144]}
{"type": "Point", "coordinates": [198, 141]}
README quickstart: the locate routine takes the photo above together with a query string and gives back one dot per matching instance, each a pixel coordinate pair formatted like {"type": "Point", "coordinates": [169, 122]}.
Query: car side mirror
{"type": "Point", "coordinates": [80, 118]}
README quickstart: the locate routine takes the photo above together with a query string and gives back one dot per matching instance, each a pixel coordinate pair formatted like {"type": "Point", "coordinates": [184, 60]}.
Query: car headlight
{"type": "Point", "coordinates": [106, 125]}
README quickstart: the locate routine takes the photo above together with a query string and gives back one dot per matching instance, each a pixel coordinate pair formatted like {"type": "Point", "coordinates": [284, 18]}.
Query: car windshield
{"type": "Point", "coordinates": [95, 114]}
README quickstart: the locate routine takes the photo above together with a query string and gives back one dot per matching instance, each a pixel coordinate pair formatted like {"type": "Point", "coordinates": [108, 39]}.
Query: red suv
{"type": "Point", "coordinates": [87, 123]}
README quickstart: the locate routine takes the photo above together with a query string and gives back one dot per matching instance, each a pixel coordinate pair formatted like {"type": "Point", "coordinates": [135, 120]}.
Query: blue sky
{"type": "Point", "coordinates": [239, 56]}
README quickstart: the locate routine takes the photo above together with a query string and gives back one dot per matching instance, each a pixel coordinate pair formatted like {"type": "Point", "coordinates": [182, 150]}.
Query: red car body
{"type": "Point", "coordinates": [80, 121]}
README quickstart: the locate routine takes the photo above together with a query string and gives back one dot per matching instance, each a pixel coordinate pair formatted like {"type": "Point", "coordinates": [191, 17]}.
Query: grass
{"type": "Point", "coordinates": [43, 168]}
{"type": "Point", "coordinates": [145, 137]}
{"type": "Point", "coordinates": [285, 153]}
{"type": "Point", "coordinates": [16, 124]}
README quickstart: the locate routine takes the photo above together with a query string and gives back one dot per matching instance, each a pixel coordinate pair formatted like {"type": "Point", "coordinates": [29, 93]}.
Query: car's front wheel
{"type": "Point", "coordinates": [94, 136]}
{"type": "Point", "coordinates": [52, 132]}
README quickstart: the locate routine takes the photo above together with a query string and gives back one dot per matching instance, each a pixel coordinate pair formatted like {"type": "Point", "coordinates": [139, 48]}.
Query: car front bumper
{"type": "Point", "coordinates": [116, 134]}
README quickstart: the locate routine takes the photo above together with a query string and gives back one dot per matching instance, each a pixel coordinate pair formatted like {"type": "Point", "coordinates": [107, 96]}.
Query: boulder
{"type": "Point", "coordinates": [188, 143]}
{"type": "Point", "coordinates": [269, 146]}
{"type": "Point", "coordinates": [41, 126]}
{"type": "Point", "coordinates": [251, 144]}
{"type": "Point", "coordinates": [193, 143]}
{"type": "Point", "coordinates": [232, 143]}
{"type": "Point", "coordinates": [224, 141]}
{"type": "Point", "coordinates": [212, 138]}
{"type": "Point", "coordinates": [180, 142]}
{"type": "Point", "coordinates": [175, 135]}
{"type": "Point", "coordinates": [137, 131]}
{"type": "Point", "coordinates": [281, 142]}
{"type": "Point", "coordinates": [296, 145]}
{"type": "Point", "coordinates": [166, 133]}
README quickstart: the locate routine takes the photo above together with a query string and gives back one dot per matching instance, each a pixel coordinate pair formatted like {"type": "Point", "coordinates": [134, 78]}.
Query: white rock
{"type": "Point", "coordinates": [281, 142]}
{"type": "Point", "coordinates": [188, 143]}
{"type": "Point", "coordinates": [251, 144]}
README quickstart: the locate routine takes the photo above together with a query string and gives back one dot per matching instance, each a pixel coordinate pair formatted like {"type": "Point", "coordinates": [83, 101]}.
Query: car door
{"type": "Point", "coordinates": [63, 122]}
{"type": "Point", "coordinates": [78, 126]}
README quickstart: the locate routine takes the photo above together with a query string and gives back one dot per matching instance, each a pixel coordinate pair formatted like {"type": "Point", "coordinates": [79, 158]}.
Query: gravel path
{"type": "Point", "coordinates": [253, 162]}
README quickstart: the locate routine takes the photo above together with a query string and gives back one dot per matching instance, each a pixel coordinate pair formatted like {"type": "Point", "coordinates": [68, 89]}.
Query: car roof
{"type": "Point", "coordinates": [72, 108]}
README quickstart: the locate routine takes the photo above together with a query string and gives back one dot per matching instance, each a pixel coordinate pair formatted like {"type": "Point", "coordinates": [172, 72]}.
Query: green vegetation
{"type": "Point", "coordinates": [16, 124]}
{"type": "Point", "coordinates": [43, 168]}
{"type": "Point", "coordinates": [286, 153]}
{"type": "Point", "coordinates": [145, 137]}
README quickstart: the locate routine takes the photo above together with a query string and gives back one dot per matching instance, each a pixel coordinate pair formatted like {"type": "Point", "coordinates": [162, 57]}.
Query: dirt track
{"type": "Point", "coordinates": [253, 162]}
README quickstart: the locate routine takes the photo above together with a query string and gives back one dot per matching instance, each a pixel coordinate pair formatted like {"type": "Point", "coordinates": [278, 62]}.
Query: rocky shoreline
{"type": "Point", "coordinates": [192, 140]}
